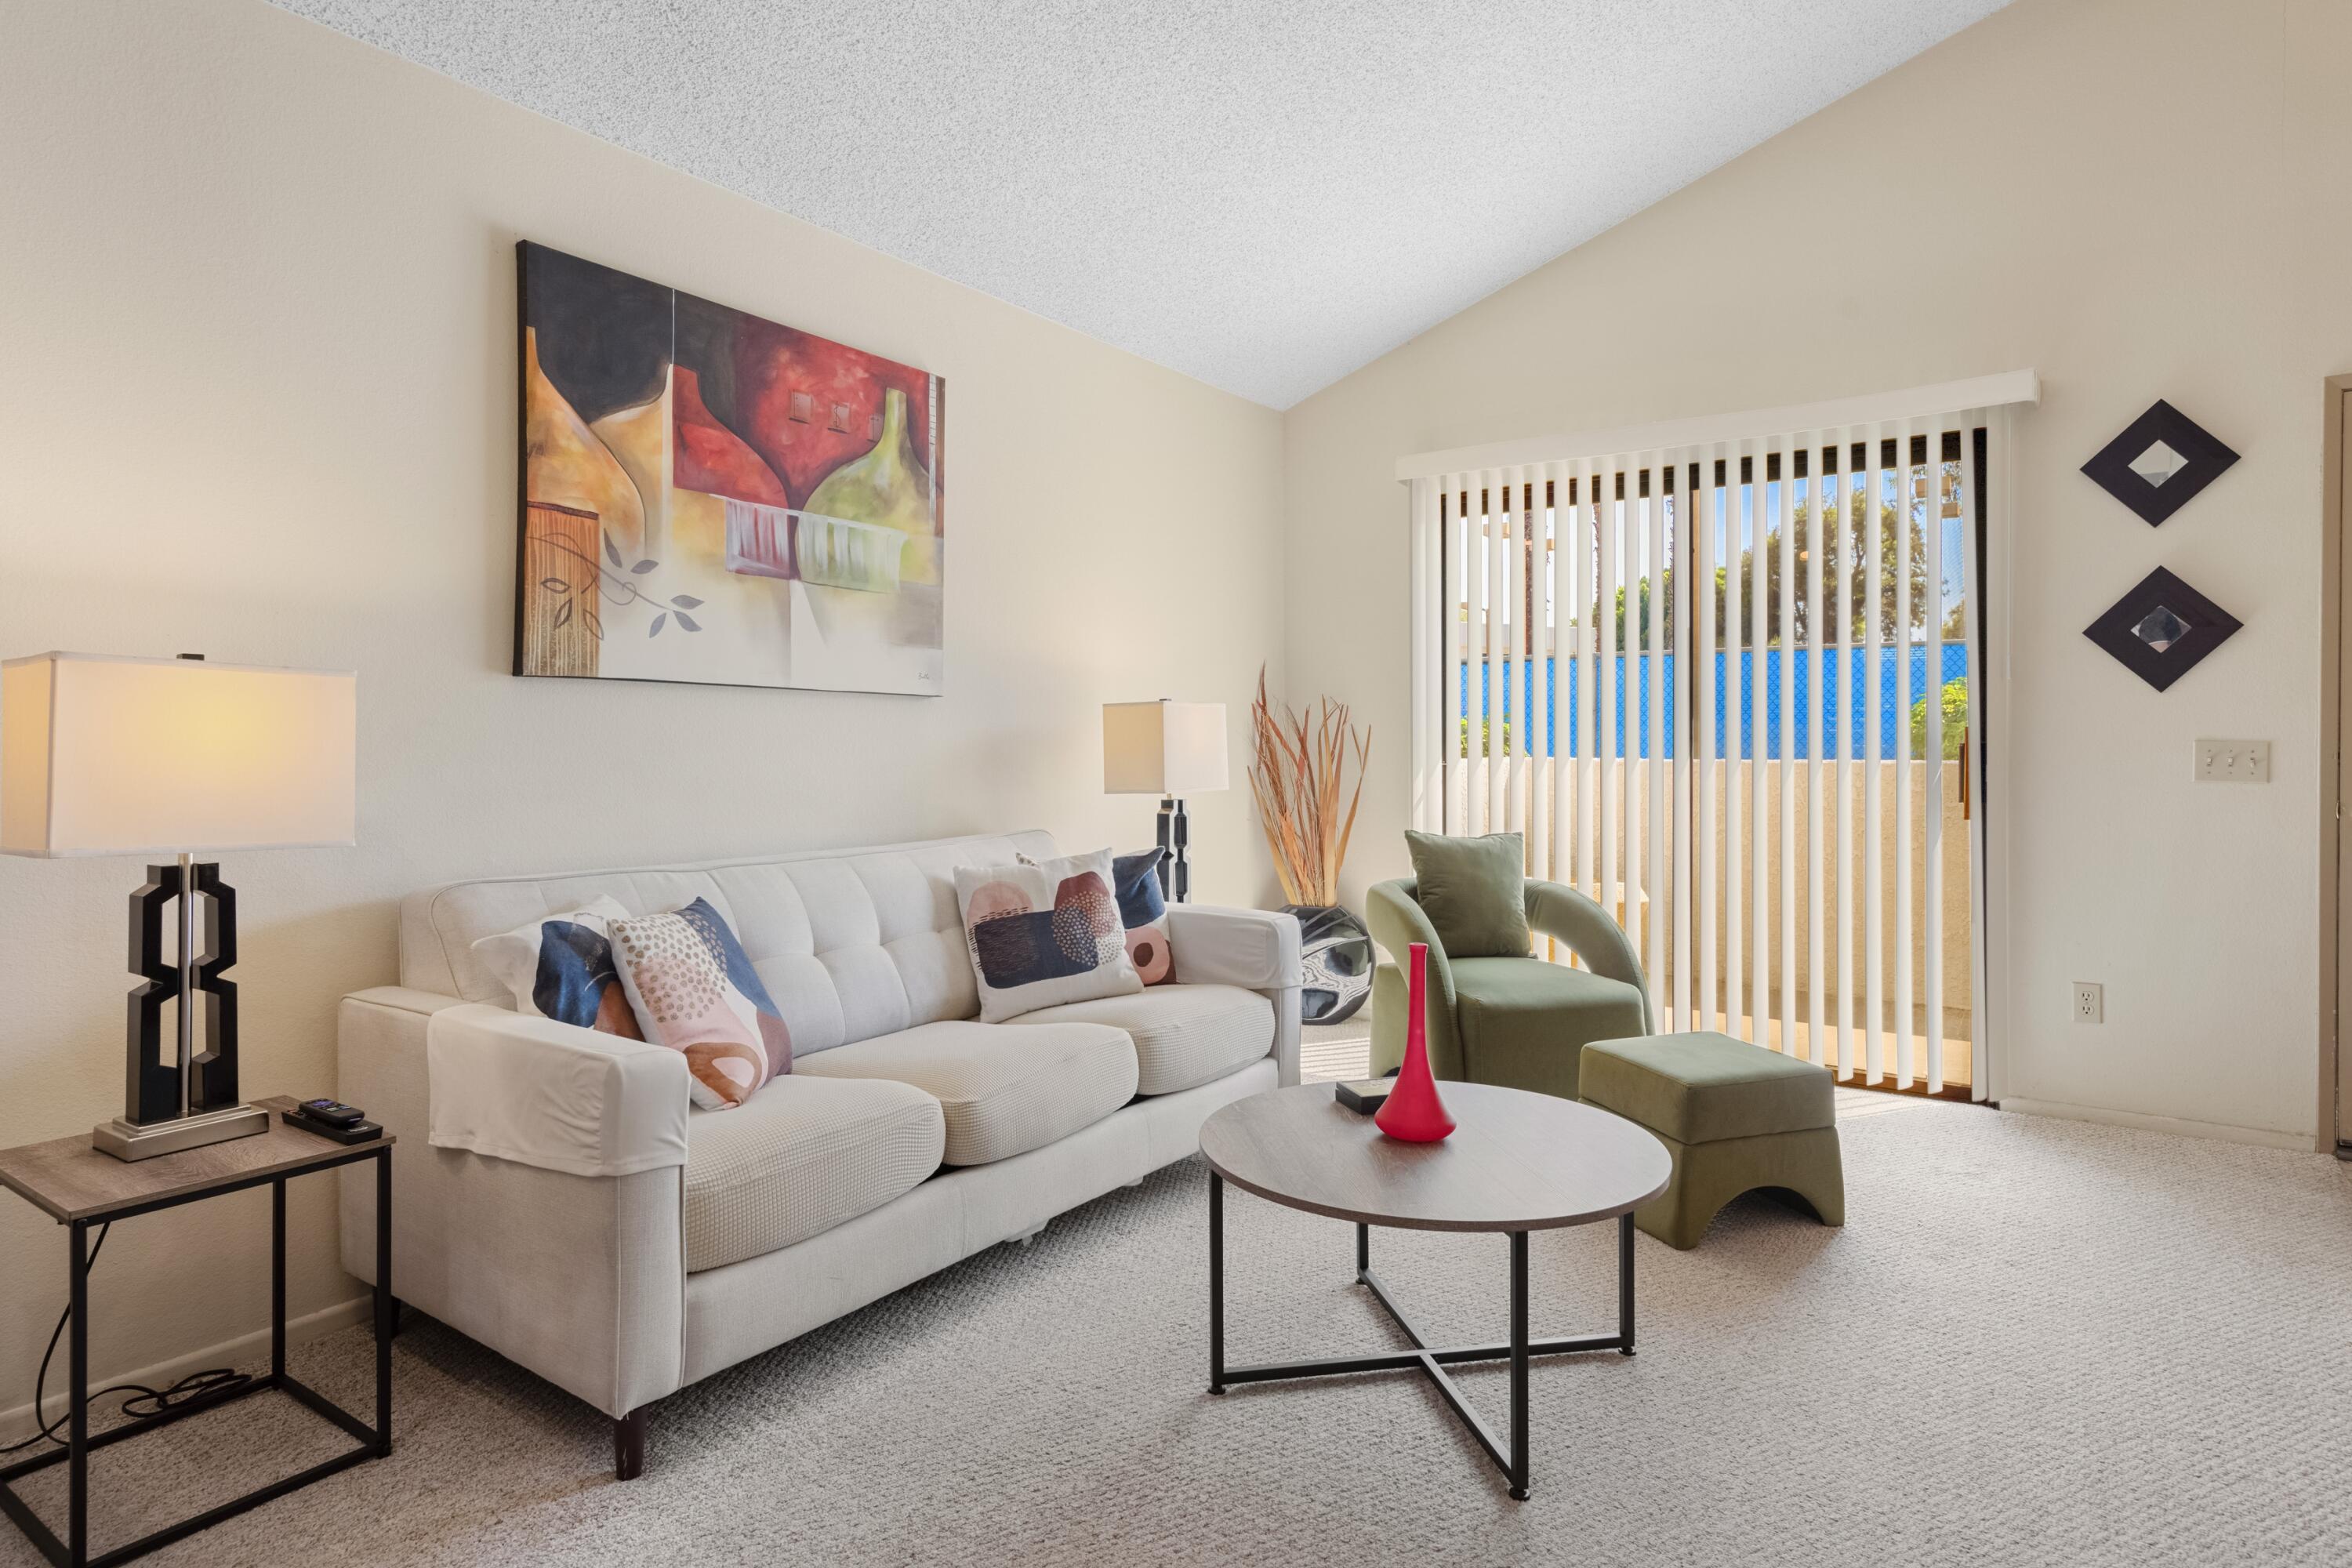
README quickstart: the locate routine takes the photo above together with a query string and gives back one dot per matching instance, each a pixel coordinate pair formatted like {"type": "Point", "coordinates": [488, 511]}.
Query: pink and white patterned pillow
{"type": "Point", "coordinates": [1044, 933]}
{"type": "Point", "coordinates": [695, 992]}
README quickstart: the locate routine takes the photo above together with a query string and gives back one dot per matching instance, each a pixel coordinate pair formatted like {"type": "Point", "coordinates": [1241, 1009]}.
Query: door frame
{"type": "Point", "coordinates": [1992, 753]}
{"type": "Point", "coordinates": [2334, 687]}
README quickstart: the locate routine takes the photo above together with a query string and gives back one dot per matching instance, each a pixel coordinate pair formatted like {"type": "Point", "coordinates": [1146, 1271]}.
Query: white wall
{"type": "Point", "coordinates": [2139, 198]}
{"type": "Point", "coordinates": [257, 391]}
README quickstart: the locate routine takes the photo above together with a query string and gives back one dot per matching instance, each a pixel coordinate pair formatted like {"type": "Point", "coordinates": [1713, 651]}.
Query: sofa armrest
{"type": "Point", "coordinates": [580, 1278]}
{"type": "Point", "coordinates": [1255, 949]}
{"type": "Point", "coordinates": [405, 999]}
{"type": "Point", "coordinates": [553, 1095]}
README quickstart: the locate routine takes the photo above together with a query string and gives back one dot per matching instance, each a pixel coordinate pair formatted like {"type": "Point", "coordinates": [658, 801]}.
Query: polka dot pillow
{"type": "Point", "coordinates": [694, 991]}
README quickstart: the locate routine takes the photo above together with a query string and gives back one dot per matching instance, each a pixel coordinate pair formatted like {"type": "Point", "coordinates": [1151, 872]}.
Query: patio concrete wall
{"type": "Point", "coordinates": [1630, 782]}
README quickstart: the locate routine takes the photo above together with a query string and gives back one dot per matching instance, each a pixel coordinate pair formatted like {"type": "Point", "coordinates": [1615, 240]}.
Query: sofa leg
{"type": "Point", "coordinates": [629, 1443]}
{"type": "Point", "coordinates": [1031, 1233]}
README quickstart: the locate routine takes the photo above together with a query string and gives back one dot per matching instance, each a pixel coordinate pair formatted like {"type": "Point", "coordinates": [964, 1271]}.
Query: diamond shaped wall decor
{"type": "Point", "coordinates": [2160, 463]}
{"type": "Point", "coordinates": [2161, 629]}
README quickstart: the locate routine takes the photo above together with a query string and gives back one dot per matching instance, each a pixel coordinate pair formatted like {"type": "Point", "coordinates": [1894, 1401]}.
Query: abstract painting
{"type": "Point", "coordinates": [707, 496]}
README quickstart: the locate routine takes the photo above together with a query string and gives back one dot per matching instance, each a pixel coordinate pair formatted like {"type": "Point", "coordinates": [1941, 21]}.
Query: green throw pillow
{"type": "Point", "coordinates": [1474, 891]}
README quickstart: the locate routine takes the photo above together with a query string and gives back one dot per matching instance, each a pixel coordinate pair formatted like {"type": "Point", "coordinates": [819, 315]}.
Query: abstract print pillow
{"type": "Point", "coordinates": [1143, 911]}
{"type": "Point", "coordinates": [1044, 933]}
{"type": "Point", "coordinates": [561, 968]}
{"type": "Point", "coordinates": [695, 992]}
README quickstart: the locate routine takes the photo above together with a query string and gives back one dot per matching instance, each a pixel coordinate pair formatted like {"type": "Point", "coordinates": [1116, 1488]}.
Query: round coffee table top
{"type": "Point", "coordinates": [1516, 1160]}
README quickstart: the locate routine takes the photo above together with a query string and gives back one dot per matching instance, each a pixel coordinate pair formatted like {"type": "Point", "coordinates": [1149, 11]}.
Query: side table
{"type": "Point", "coordinates": [80, 1187]}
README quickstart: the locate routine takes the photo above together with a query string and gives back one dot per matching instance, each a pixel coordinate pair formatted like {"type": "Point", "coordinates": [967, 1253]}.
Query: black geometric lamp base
{"type": "Point", "coordinates": [175, 1096]}
{"type": "Point", "coordinates": [2161, 629]}
{"type": "Point", "coordinates": [2160, 463]}
{"type": "Point", "coordinates": [1176, 837]}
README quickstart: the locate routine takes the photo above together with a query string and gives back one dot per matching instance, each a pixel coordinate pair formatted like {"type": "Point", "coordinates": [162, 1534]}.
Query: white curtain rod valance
{"type": "Point", "coordinates": [1983, 392]}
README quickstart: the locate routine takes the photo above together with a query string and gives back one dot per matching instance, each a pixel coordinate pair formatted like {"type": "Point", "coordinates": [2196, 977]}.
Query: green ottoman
{"type": "Point", "coordinates": [1735, 1118]}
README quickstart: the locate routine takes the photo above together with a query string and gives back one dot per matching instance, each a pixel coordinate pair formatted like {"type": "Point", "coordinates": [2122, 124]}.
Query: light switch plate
{"type": "Point", "coordinates": [2233, 762]}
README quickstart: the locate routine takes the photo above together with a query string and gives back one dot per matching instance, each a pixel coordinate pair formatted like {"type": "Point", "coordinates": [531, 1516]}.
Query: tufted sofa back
{"type": "Point", "coordinates": [850, 942]}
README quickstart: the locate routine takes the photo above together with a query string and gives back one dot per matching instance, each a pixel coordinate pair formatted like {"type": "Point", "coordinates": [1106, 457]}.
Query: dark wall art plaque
{"type": "Point", "coordinates": [2160, 463]}
{"type": "Point", "coordinates": [2161, 629]}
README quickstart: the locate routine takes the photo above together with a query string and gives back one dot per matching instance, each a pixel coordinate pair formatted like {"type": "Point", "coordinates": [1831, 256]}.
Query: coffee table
{"type": "Point", "coordinates": [1517, 1162]}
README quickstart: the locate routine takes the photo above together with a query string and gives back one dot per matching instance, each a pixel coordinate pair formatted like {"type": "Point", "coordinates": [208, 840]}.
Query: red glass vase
{"type": "Point", "coordinates": [1412, 1111]}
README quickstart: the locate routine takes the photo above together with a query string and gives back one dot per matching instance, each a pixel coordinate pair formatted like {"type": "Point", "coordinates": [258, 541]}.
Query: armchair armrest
{"type": "Point", "coordinates": [1393, 914]}
{"type": "Point", "coordinates": [1562, 913]}
{"type": "Point", "coordinates": [1256, 949]}
{"type": "Point", "coordinates": [553, 1095]}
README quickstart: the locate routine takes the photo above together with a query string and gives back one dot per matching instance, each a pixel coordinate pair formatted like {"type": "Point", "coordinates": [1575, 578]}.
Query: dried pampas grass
{"type": "Point", "coordinates": [1296, 774]}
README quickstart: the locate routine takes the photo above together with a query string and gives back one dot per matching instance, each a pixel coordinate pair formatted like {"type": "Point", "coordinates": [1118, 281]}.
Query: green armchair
{"type": "Point", "coordinates": [1522, 1023]}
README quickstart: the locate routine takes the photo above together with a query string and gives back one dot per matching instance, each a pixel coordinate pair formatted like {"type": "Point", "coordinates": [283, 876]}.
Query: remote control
{"type": "Point", "coordinates": [334, 1112]}
{"type": "Point", "coordinates": [355, 1133]}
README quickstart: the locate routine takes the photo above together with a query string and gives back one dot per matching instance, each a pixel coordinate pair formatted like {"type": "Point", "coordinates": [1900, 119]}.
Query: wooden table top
{"type": "Point", "coordinates": [1516, 1160]}
{"type": "Point", "coordinates": [68, 1180]}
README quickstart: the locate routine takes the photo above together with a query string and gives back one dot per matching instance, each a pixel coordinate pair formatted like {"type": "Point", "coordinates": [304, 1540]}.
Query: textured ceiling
{"type": "Point", "coordinates": [1262, 193]}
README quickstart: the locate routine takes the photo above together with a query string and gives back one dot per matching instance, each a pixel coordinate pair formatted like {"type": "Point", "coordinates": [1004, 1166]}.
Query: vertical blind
{"type": "Point", "coordinates": [1691, 673]}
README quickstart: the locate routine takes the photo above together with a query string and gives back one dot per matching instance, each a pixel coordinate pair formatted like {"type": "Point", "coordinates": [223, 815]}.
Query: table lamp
{"type": "Point", "coordinates": [1170, 750]}
{"type": "Point", "coordinates": [104, 756]}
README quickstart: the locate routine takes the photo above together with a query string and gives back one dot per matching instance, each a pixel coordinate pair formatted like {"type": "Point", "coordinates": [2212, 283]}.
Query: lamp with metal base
{"type": "Point", "coordinates": [103, 755]}
{"type": "Point", "coordinates": [1170, 750]}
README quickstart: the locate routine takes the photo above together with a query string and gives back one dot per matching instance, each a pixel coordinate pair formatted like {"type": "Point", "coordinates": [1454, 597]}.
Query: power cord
{"type": "Point", "coordinates": [145, 1403]}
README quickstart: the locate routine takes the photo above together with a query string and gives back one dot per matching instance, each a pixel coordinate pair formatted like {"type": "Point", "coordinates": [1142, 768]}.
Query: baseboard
{"type": "Point", "coordinates": [244, 1351]}
{"type": "Point", "coordinates": [2222, 1131]}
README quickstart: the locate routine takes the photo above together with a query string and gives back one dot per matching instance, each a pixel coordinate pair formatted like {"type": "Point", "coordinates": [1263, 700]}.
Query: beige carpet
{"type": "Point", "coordinates": [2036, 1343]}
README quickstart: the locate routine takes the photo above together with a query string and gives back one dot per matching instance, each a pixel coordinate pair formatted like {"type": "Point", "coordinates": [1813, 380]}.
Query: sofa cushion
{"type": "Point", "coordinates": [1144, 911]}
{"type": "Point", "coordinates": [1003, 1089]}
{"type": "Point", "coordinates": [1042, 932]}
{"type": "Point", "coordinates": [1705, 1088]}
{"type": "Point", "coordinates": [694, 992]}
{"type": "Point", "coordinates": [561, 967]}
{"type": "Point", "coordinates": [850, 944]}
{"type": "Point", "coordinates": [802, 1155]}
{"type": "Point", "coordinates": [1183, 1034]}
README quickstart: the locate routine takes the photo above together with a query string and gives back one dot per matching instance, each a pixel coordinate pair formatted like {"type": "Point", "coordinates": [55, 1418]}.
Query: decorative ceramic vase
{"type": "Point", "coordinates": [887, 488]}
{"type": "Point", "coordinates": [1335, 951]}
{"type": "Point", "coordinates": [1412, 1112]}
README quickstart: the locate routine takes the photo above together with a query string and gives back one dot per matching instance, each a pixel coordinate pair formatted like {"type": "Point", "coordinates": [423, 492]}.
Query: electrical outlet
{"type": "Point", "coordinates": [2090, 1002]}
{"type": "Point", "coordinates": [2233, 762]}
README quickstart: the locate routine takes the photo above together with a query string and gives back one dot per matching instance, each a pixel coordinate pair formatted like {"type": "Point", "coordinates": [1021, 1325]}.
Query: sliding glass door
{"type": "Point", "coordinates": [1732, 694]}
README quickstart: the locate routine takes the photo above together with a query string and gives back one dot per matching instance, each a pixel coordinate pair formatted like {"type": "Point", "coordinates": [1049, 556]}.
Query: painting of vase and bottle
{"type": "Point", "coordinates": [709, 496]}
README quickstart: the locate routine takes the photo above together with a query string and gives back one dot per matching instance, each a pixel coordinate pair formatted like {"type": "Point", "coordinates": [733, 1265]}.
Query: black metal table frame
{"type": "Point", "coordinates": [373, 1442]}
{"type": "Point", "coordinates": [1432, 1361]}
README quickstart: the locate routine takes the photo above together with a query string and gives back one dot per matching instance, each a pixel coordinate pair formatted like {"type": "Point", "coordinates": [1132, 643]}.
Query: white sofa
{"type": "Point", "coordinates": [908, 1136]}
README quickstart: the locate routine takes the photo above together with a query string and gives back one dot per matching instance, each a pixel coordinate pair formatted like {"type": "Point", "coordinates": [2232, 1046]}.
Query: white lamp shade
{"type": "Point", "coordinates": [101, 755]}
{"type": "Point", "coordinates": [1163, 748]}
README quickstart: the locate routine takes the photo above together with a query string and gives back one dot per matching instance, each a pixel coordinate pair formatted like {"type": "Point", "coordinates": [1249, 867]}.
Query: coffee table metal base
{"type": "Point", "coordinates": [1431, 1360]}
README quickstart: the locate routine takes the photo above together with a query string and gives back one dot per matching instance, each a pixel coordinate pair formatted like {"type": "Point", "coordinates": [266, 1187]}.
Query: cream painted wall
{"type": "Point", "coordinates": [258, 387]}
{"type": "Point", "coordinates": [2139, 198]}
